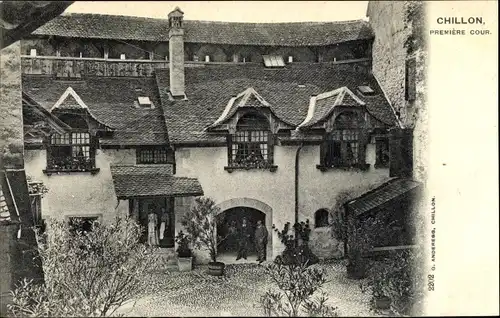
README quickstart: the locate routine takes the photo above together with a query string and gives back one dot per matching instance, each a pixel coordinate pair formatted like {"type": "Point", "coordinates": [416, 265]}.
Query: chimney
{"type": "Point", "coordinates": [176, 52]}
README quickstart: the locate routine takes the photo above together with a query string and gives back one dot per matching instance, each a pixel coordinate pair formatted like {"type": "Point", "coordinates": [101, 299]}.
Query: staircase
{"type": "Point", "coordinates": [168, 259]}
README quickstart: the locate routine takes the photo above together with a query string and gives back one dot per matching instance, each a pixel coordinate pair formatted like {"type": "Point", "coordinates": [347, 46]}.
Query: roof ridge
{"type": "Point", "coordinates": [384, 184]}
{"type": "Point", "coordinates": [65, 14]}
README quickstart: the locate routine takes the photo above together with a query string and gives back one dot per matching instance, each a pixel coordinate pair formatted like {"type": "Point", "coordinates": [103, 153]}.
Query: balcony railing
{"type": "Point", "coordinates": [74, 68]}
{"type": "Point", "coordinates": [71, 164]}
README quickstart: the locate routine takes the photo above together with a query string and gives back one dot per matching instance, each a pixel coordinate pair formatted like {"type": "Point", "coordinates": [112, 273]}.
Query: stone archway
{"type": "Point", "coordinates": [255, 205]}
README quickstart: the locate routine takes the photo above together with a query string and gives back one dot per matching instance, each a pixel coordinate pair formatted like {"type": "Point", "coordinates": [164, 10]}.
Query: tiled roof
{"type": "Point", "coordinates": [237, 33]}
{"type": "Point", "coordinates": [287, 90]}
{"type": "Point", "coordinates": [112, 101]}
{"type": "Point", "coordinates": [137, 181]}
{"type": "Point", "coordinates": [4, 209]}
{"type": "Point", "coordinates": [385, 193]}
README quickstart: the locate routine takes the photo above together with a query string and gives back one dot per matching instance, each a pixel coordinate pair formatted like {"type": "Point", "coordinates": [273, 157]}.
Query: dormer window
{"type": "Point", "coordinates": [207, 58]}
{"type": "Point", "coordinates": [74, 151]}
{"type": "Point", "coordinates": [273, 61]}
{"type": "Point", "coordinates": [342, 146]}
{"type": "Point", "coordinates": [251, 146]}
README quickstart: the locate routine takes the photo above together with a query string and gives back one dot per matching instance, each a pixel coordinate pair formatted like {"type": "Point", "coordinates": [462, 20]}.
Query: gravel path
{"type": "Point", "coordinates": [236, 294]}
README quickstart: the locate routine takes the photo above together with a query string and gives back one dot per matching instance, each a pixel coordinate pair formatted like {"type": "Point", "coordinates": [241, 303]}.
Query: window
{"type": "Point", "coordinates": [207, 58]}
{"type": "Point", "coordinates": [151, 156]}
{"type": "Point", "coordinates": [382, 152]}
{"type": "Point", "coordinates": [251, 145]}
{"type": "Point", "coordinates": [366, 90]}
{"type": "Point", "coordinates": [273, 61]}
{"type": "Point", "coordinates": [290, 59]}
{"type": "Point", "coordinates": [321, 218]}
{"type": "Point", "coordinates": [122, 56]}
{"type": "Point", "coordinates": [144, 102]}
{"type": "Point", "coordinates": [410, 80]}
{"type": "Point", "coordinates": [82, 224]}
{"type": "Point", "coordinates": [73, 151]}
{"type": "Point", "coordinates": [33, 52]}
{"type": "Point", "coordinates": [342, 148]}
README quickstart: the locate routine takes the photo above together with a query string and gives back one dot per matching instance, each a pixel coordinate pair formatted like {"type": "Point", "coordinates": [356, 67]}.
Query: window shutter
{"type": "Point", "coordinates": [362, 141]}
{"type": "Point", "coordinates": [229, 148]}
{"type": "Point", "coordinates": [270, 148]}
{"type": "Point", "coordinates": [322, 152]}
{"type": "Point", "coordinates": [94, 143]}
{"type": "Point", "coordinates": [401, 153]}
{"type": "Point", "coordinates": [410, 80]}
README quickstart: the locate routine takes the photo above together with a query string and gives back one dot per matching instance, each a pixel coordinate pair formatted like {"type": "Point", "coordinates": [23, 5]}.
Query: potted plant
{"type": "Point", "coordinates": [201, 225]}
{"type": "Point", "coordinates": [379, 299]}
{"type": "Point", "coordinates": [184, 254]}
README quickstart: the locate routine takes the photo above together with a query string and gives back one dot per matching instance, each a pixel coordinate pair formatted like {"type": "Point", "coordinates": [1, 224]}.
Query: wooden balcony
{"type": "Point", "coordinates": [77, 67]}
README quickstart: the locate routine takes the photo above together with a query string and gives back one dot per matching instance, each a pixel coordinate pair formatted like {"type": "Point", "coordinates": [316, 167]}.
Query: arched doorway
{"type": "Point", "coordinates": [232, 218]}
{"type": "Point", "coordinates": [234, 210]}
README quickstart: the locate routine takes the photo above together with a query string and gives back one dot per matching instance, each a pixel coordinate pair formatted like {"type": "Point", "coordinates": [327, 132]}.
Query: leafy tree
{"type": "Point", "coordinates": [87, 273]}
{"type": "Point", "coordinates": [201, 224]}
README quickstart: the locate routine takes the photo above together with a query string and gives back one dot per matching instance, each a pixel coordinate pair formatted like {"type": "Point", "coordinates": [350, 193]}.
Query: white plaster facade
{"type": "Point", "coordinates": [274, 192]}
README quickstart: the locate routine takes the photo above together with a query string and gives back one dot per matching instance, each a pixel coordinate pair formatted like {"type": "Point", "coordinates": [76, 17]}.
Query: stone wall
{"type": "Point", "coordinates": [400, 35]}
{"type": "Point", "coordinates": [11, 120]}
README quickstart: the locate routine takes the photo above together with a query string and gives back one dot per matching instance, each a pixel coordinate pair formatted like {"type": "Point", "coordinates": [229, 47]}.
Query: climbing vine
{"type": "Point", "coordinates": [415, 19]}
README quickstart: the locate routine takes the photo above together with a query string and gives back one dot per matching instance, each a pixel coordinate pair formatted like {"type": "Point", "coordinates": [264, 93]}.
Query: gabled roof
{"type": "Point", "coordinates": [389, 191]}
{"type": "Point", "coordinates": [33, 112]}
{"type": "Point", "coordinates": [100, 26]}
{"type": "Point", "coordinates": [111, 102]}
{"type": "Point", "coordinates": [248, 98]}
{"type": "Point", "coordinates": [140, 181]}
{"type": "Point", "coordinates": [321, 106]}
{"type": "Point", "coordinates": [287, 90]}
{"type": "Point", "coordinates": [69, 100]}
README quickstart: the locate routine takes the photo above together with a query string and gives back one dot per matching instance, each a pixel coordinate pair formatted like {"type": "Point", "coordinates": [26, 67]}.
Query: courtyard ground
{"type": "Point", "coordinates": [237, 293]}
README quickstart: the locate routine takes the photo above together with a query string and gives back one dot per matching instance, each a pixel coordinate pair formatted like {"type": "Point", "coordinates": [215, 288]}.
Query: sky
{"type": "Point", "coordinates": [233, 11]}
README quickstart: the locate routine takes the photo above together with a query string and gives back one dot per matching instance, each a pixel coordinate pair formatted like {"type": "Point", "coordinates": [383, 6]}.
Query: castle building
{"type": "Point", "coordinates": [127, 115]}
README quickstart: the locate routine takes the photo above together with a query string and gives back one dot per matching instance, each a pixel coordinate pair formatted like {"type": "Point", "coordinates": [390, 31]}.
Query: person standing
{"type": "Point", "coordinates": [243, 239]}
{"type": "Point", "coordinates": [152, 228]}
{"type": "Point", "coordinates": [261, 241]}
{"type": "Point", "coordinates": [232, 237]}
{"type": "Point", "coordinates": [164, 223]}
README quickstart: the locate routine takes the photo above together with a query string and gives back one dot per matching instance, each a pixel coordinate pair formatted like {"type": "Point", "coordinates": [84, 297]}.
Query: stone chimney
{"type": "Point", "coordinates": [176, 52]}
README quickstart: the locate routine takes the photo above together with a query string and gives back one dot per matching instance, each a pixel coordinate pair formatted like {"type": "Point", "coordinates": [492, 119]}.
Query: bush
{"type": "Point", "coordinates": [183, 241]}
{"type": "Point", "coordinates": [398, 278]}
{"type": "Point", "coordinates": [86, 273]}
{"type": "Point", "coordinates": [297, 283]}
{"type": "Point", "coordinates": [297, 249]}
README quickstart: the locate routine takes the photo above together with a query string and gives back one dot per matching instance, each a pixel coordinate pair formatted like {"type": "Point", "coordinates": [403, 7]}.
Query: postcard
{"type": "Point", "coordinates": [249, 158]}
